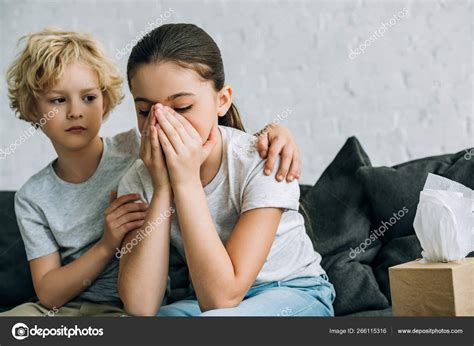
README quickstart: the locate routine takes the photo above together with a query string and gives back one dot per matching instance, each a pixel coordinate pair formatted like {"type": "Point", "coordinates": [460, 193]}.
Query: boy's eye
{"type": "Point", "coordinates": [90, 98]}
{"type": "Point", "coordinates": [183, 109]}
{"type": "Point", "coordinates": [58, 100]}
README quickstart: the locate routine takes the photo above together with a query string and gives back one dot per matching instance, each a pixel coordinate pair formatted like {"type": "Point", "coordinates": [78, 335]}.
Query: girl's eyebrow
{"type": "Point", "coordinates": [169, 98]}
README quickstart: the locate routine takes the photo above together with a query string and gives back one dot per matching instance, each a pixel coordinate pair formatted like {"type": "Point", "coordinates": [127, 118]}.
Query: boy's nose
{"type": "Point", "coordinates": [74, 111]}
{"type": "Point", "coordinates": [74, 115]}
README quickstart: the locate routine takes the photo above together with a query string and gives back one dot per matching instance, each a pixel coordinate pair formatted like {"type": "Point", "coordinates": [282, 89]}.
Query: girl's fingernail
{"type": "Point", "coordinates": [290, 178]}
{"type": "Point", "coordinates": [267, 171]}
{"type": "Point", "coordinates": [280, 177]}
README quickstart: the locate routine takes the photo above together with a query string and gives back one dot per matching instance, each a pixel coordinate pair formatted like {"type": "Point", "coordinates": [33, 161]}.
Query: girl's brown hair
{"type": "Point", "coordinates": [187, 46]}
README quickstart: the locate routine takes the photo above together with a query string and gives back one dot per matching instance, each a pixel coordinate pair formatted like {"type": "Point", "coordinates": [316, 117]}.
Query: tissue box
{"type": "Point", "coordinates": [433, 289]}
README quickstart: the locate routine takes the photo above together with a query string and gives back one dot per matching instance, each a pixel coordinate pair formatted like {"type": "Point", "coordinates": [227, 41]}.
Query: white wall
{"type": "Point", "coordinates": [407, 96]}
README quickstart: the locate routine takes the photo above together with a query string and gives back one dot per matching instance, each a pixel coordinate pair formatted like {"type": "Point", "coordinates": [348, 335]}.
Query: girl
{"type": "Point", "coordinates": [239, 230]}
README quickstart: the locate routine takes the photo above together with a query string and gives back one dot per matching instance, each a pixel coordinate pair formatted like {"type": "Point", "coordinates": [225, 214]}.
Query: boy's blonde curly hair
{"type": "Point", "coordinates": [42, 62]}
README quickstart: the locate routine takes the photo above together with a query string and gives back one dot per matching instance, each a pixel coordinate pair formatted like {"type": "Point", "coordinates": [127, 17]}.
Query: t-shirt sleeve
{"type": "Point", "coordinates": [132, 183]}
{"type": "Point", "coordinates": [126, 143]}
{"type": "Point", "coordinates": [37, 236]}
{"type": "Point", "coordinates": [262, 191]}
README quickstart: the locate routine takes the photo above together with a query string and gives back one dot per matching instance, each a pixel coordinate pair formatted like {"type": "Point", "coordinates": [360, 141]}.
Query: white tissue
{"type": "Point", "coordinates": [444, 221]}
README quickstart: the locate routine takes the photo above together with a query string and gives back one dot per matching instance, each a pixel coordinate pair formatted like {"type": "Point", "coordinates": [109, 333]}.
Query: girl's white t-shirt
{"type": "Point", "coordinates": [240, 185]}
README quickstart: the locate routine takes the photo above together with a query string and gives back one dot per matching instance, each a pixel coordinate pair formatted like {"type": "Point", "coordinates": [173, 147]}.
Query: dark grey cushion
{"type": "Point", "coordinates": [389, 189]}
{"type": "Point", "coordinates": [396, 251]}
{"type": "Point", "coordinates": [16, 286]}
{"type": "Point", "coordinates": [337, 214]}
{"type": "Point", "coordinates": [336, 208]}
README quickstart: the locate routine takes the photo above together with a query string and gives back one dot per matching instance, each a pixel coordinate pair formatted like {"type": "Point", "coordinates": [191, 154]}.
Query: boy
{"type": "Point", "coordinates": [60, 210]}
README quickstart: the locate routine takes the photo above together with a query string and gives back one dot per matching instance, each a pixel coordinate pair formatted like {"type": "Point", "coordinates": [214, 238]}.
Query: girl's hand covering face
{"type": "Point", "coordinates": [151, 152]}
{"type": "Point", "coordinates": [182, 145]}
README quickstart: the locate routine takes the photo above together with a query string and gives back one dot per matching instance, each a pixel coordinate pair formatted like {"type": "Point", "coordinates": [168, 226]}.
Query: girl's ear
{"type": "Point", "coordinates": [224, 100]}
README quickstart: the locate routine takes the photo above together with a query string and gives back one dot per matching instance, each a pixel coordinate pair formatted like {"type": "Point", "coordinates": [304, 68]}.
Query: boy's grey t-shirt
{"type": "Point", "coordinates": [239, 186]}
{"type": "Point", "coordinates": [54, 215]}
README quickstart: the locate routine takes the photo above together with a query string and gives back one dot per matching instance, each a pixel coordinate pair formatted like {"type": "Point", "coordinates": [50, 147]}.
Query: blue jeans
{"type": "Point", "coordinates": [305, 296]}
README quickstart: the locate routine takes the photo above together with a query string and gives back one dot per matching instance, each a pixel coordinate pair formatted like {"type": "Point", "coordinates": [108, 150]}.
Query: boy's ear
{"type": "Point", "coordinates": [224, 100]}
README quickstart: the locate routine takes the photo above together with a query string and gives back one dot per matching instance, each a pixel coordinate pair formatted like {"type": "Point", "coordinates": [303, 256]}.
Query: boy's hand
{"type": "Point", "coordinates": [122, 217]}
{"type": "Point", "coordinates": [152, 154]}
{"type": "Point", "coordinates": [277, 140]}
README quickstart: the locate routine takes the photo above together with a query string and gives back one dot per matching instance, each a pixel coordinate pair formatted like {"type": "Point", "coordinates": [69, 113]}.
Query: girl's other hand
{"type": "Point", "coordinates": [276, 140]}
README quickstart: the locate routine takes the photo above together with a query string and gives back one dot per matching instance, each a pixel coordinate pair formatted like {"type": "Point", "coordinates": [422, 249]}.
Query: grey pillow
{"type": "Point", "coordinates": [337, 214]}
{"type": "Point", "coordinates": [16, 286]}
{"type": "Point", "coordinates": [390, 189]}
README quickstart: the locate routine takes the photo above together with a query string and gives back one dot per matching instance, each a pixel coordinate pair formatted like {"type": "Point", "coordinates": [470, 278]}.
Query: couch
{"type": "Point", "coordinates": [349, 202]}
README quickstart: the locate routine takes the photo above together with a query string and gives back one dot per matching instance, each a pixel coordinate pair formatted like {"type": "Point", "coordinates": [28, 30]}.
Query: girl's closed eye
{"type": "Point", "coordinates": [144, 112]}
{"type": "Point", "coordinates": [183, 109]}
{"type": "Point", "coordinates": [180, 110]}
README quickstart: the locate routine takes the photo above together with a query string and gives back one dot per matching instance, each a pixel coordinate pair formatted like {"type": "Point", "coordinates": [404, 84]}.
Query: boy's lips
{"type": "Point", "coordinates": [76, 129]}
